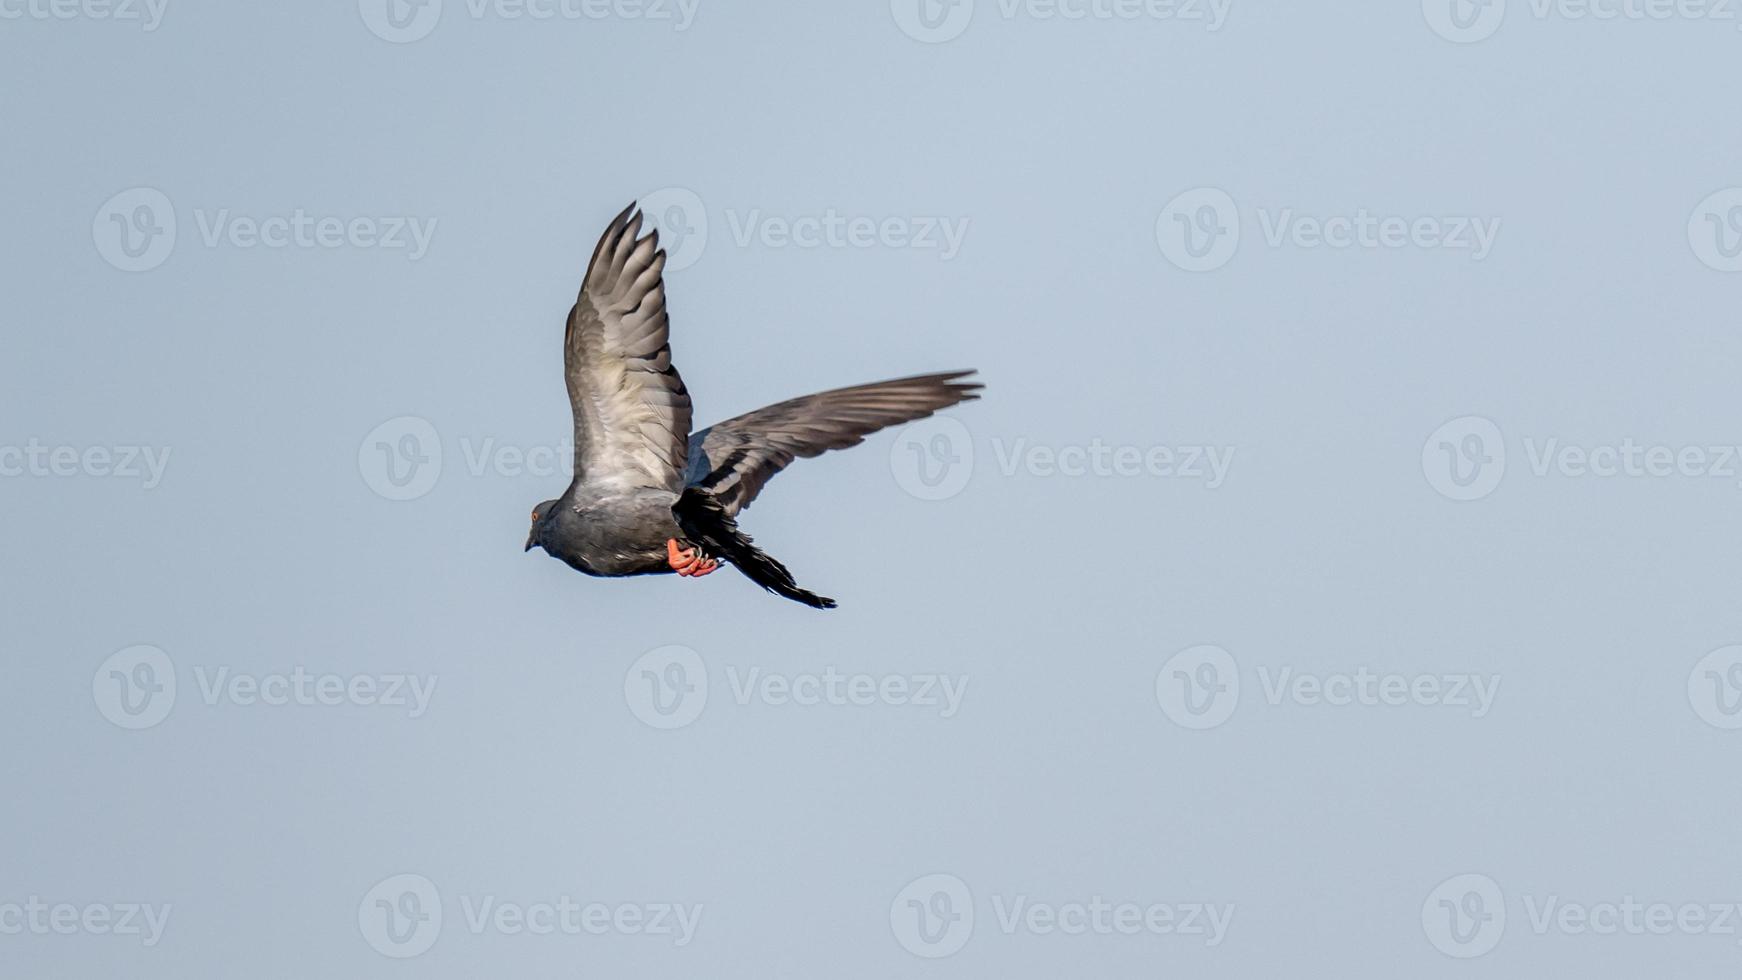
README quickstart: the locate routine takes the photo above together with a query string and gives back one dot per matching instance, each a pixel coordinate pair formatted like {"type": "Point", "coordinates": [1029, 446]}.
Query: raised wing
{"type": "Point", "coordinates": [733, 460]}
{"type": "Point", "coordinates": [632, 412]}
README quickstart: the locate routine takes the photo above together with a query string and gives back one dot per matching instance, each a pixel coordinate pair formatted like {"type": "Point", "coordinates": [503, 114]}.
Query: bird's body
{"type": "Point", "coordinates": [612, 532]}
{"type": "Point", "coordinates": [651, 497]}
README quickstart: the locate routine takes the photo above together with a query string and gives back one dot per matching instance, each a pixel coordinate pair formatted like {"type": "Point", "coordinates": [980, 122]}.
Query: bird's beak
{"type": "Point", "coordinates": [528, 544]}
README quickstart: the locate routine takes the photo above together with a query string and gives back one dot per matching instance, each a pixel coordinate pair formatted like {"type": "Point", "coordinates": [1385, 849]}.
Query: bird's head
{"type": "Point", "coordinates": [541, 519]}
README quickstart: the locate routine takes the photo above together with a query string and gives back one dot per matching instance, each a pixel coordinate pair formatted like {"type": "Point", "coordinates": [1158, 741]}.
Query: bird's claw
{"type": "Point", "coordinates": [688, 562]}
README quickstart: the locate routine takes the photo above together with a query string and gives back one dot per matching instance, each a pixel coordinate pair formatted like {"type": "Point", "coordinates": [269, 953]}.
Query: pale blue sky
{"type": "Point", "coordinates": [1267, 467]}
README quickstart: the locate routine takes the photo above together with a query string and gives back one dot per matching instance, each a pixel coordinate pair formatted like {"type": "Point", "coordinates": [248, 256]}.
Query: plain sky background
{"type": "Point", "coordinates": [1594, 319]}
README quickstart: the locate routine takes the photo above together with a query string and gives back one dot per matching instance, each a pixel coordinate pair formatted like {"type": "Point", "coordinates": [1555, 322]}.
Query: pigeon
{"type": "Point", "coordinates": [650, 497]}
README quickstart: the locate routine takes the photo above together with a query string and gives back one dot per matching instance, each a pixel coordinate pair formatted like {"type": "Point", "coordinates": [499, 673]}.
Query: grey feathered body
{"type": "Point", "coordinates": [610, 532]}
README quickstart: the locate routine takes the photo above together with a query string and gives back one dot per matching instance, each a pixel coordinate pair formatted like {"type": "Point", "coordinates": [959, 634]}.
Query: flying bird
{"type": "Point", "coordinates": [651, 497]}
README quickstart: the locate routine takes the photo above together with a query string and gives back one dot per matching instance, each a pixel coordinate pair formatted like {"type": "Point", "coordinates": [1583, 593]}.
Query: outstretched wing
{"type": "Point", "coordinates": [632, 412]}
{"type": "Point", "coordinates": [733, 460]}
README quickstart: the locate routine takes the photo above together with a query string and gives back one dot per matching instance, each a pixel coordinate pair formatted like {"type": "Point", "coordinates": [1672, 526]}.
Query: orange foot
{"type": "Point", "coordinates": [688, 561]}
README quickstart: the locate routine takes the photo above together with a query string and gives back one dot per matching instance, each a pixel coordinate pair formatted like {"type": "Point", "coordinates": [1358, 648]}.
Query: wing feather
{"type": "Point", "coordinates": [631, 409]}
{"type": "Point", "coordinates": [736, 458]}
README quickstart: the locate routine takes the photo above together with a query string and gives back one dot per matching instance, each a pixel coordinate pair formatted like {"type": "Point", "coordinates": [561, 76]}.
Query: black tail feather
{"type": "Point", "coordinates": [705, 522]}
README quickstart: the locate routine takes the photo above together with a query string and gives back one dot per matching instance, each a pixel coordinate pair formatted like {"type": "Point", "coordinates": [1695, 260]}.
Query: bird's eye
{"type": "Point", "coordinates": [535, 515]}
